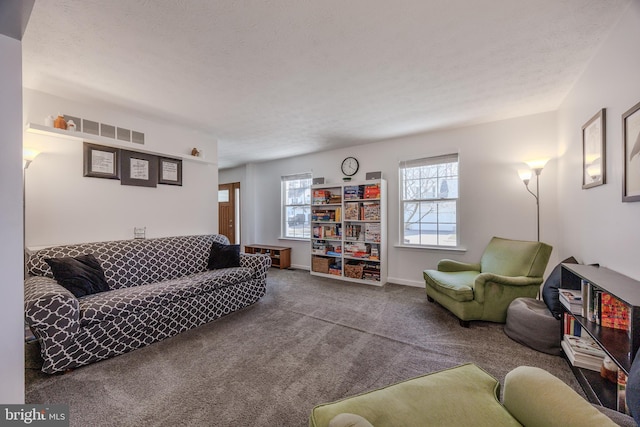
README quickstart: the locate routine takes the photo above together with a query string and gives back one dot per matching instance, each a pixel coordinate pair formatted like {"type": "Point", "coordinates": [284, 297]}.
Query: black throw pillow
{"type": "Point", "coordinates": [81, 275]}
{"type": "Point", "coordinates": [550, 293]}
{"type": "Point", "coordinates": [224, 256]}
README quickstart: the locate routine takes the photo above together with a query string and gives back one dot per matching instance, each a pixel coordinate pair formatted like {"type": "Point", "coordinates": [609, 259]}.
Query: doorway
{"type": "Point", "coordinates": [229, 211]}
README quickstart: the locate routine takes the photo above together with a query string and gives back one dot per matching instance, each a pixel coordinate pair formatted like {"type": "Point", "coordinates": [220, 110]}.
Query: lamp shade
{"type": "Point", "coordinates": [27, 157]}
{"type": "Point", "coordinates": [537, 164]}
{"type": "Point", "coordinates": [29, 154]}
{"type": "Point", "coordinates": [525, 174]}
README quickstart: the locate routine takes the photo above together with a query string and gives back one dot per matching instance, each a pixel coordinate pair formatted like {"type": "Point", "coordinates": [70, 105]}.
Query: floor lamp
{"type": "Point", "coordinates": [536, 166]}
{"type": "Point", "coordinates": [27, 157]}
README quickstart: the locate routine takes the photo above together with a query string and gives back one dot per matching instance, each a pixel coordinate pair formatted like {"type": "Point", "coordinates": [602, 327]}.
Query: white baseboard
{"type": "Point", "coordinates": [405, 282]}
{"type": "Point", "coordinates": [395, 280]}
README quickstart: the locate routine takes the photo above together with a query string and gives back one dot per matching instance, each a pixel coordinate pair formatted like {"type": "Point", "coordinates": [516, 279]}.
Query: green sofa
{"type": "Point", "coordinates": [465, 396]}
{"type": "Point", "coordinates": [508, 269]}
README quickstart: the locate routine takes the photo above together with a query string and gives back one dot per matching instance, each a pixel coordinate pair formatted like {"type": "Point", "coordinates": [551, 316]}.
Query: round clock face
{"type": "Point", "coordinates": [350, 166]}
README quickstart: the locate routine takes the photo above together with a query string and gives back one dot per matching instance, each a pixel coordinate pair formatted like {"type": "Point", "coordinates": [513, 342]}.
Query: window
{"type": "Point", "coordinates": [429, 201]}
{"type": "Point", "coordinates": [296, 206]}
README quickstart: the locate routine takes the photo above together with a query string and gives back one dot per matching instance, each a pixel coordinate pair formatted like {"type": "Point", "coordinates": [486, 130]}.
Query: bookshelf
{"type": "Point", "coordinates": [621, 345]}
{"type": "Point", "coordinates": [349, 231]}
{"type": "Point", "coordinates": [280, 255]}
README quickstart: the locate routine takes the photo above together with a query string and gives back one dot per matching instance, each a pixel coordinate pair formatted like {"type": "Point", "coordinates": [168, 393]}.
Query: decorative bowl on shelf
{"type": "Point", "coordinates": [346, 178]}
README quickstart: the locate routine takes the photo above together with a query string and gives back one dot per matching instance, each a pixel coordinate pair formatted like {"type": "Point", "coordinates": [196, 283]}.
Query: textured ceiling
{"type": "Point", "coordinates": [277, 78]}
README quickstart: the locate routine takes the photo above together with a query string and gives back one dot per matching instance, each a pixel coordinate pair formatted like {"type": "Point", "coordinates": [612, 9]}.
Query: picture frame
{"type": "Point", "coordinates": [101, 161]}
{"type": "Point", "coordinates": [169, 171]}
{"type": "Point", "coordinates": [138, 169]}
{"type": "Point", "coordinates": [631, 150]}
{"type": "Point", "coordinates": [594, 151]}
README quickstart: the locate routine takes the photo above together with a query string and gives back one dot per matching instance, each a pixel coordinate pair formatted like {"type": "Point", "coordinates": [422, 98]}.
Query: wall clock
{"type": "Point", "coordinates": [350, 166]}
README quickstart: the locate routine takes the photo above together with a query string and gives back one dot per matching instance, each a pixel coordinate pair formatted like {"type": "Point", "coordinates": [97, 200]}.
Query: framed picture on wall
{"type": "Point", "coordinates": [594, 151]}
{"type": "Point", "coordinates": [101, 161]}
{"type": "Point", "coordinates": [169, 171]}
{"type": "Point", "coordinates": [139, 169]}
{"type": "Point", "coordinates": [631, 149]}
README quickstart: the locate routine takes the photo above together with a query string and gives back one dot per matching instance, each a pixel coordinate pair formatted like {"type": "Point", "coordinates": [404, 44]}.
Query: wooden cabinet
{"type": "Point", "coordinates": [280, 255]}
{"type": "Point", "coordinates": [349, 231]}
{"type": "Point", "coordinates": [620, 344]}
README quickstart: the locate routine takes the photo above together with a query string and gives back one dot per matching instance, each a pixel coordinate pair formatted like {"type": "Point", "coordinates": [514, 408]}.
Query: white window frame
{"type": "Point", "coordinates": [441, 242]}
{"type": "Point", "coordinates": [304, 205]}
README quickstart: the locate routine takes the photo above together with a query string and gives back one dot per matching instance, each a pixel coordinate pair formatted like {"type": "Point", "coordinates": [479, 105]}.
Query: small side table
{"type": "Point", "coordinates": [280, 255]}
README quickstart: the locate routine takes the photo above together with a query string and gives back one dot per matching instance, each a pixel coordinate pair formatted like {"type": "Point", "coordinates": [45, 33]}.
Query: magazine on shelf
{"type": "Point", "coordinates": [581, 360]}
{"type": "Point", "coordinates": [585, 345]}
{"type": "Point", "coordinates": [572, 300]}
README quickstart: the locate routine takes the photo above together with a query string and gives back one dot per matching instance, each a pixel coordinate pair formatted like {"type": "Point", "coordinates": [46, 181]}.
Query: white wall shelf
{"type": "Point", "coordinates": [101, 140]}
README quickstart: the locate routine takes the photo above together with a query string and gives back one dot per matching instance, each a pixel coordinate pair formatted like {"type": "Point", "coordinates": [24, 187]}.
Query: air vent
{"type": "Point", "coordinates": [124, 134]}
{"type": "Point", "coordinates": [105, 130]}
{"type": "Point", "coordinates": [137, 137]}
{"type": "Point", "coordinates": [91, 127]}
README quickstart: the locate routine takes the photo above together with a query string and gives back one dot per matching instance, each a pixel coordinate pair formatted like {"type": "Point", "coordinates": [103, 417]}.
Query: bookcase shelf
{"type": "Point", "coordinates": [597, 389]}
{"type": "Point", "coordinates": [619, 344]}
{"type": "Point", "coordinates": [349, 238]}
{"type": "Point", "coordinates": [280, 255]}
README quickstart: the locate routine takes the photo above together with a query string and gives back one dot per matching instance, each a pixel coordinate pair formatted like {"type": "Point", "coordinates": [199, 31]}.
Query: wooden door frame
{"type": "Point", "coordinates": [232, 187]}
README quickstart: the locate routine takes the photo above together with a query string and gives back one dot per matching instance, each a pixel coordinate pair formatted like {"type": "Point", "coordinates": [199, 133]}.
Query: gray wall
{"type": "Point", "coordinates": [596, 226]}
{"type": "Point", "coordinates": [15, 14]}
{"type": "Point", "coordinates": [493, 199]}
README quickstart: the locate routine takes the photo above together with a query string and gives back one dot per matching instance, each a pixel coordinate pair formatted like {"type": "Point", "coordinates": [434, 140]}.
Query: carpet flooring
{"type": "Point", "coordinates": [310, 340]}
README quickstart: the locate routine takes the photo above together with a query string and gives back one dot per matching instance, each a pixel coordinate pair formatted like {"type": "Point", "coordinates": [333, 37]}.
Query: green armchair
{"type": "Point", "coordinates": [508, 269]}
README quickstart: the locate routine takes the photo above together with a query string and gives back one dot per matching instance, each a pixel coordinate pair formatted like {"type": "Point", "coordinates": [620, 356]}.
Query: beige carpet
{"type": "Point", "coordinates": [308, 341]}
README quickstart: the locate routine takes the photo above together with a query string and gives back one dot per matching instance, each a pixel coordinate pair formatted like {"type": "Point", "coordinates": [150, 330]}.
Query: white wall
{"type": "Point", "coordinates": [11, 261]}
{"type": "Point", "coordinates": [493, 199]}
{"type": "Point", "coordinates": [62, 206]}
{"type": "Point", "coordinates": [596, 226]}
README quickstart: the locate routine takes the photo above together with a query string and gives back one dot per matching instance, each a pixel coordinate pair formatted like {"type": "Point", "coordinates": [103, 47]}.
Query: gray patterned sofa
{"type": "Point", "coordinates": [158, 288]}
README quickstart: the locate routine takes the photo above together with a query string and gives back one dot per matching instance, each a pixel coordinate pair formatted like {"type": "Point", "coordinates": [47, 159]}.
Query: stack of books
{"type": "Point", "coordinates": [572, 300]}
{"type": "Point", "coordinates": [583, 352]}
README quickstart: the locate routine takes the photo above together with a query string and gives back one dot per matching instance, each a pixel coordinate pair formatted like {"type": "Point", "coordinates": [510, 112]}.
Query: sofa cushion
{"type": "Point", "coordinates": [81, 275]}
{"type": "Point", "coordinates": [223, 256]}
{"type": "Point", "coordinates": [457, 285]}
{"type": "Point", "coordinates": [461, 396]}
{"type": "Point", "coordinates": [550, 293]}
{"type": "Point", "coordinates": [124, 301]}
